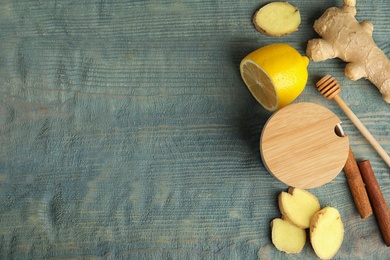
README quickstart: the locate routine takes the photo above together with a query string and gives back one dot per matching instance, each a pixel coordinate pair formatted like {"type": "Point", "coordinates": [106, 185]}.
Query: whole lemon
{"type": "Point", "coordinates": [275, 75]}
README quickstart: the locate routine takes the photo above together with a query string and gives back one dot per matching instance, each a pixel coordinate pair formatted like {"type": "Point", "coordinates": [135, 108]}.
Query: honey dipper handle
{"type": "Point", "coordinates": [362, 129]}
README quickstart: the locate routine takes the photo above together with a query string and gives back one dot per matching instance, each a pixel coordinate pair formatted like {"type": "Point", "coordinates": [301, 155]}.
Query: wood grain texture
{"type": "Point", "coordinates": [300, 147]}
{"type": "Point", "coordinates": [126, 131]}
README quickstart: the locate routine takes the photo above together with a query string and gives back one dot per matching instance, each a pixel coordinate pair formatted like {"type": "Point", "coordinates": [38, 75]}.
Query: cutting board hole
{"type": "Point", "coordinates": [339, 130]}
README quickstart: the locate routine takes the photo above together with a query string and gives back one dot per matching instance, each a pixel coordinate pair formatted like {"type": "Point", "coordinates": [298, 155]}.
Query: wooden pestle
{"type": "Point", "coordinates": [356, 185]}
{"type": "Point", "coordinates": [377, 200]}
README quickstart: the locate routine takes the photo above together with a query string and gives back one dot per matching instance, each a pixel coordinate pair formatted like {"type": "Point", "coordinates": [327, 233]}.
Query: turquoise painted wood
{"type": "Point", "coordinates": [126, 131]}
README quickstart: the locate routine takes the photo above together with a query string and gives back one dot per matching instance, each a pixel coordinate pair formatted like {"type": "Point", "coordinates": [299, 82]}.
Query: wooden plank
{"type": "Point", "coordinates": [127, 132]}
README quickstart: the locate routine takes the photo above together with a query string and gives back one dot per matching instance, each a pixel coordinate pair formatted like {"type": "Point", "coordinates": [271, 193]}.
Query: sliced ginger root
{"type": "Point", "coordinates": [301, 210]}
{"type": "Point", "coordinates": [287, 237]}
{"type": "Point", "coordinates": [298, 206]}
{"type": "Point", "coordinates": [345, 38]}
{"type": "Point", "coordinates": [326, 232]}
{"type": "Point", "coordinates": [277, 19]}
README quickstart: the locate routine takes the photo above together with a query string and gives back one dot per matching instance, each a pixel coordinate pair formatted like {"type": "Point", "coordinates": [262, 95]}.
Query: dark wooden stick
{"type": "Point", "coordinates": [356, 185]}
{"type": "Point", "coordinates": [378, 202]}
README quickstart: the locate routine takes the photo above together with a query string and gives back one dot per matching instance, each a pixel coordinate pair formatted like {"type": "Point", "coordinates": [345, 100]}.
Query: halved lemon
{"type": "Point", "coordinates": [275, 75]}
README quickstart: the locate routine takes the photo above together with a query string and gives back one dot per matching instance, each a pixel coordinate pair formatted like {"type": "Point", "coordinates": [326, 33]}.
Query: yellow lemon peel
{"type": "Point", "coordinates": [275, 75]}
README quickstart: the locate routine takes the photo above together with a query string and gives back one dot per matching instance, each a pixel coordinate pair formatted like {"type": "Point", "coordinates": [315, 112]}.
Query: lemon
{"type": "Point", "coordinates": [275, 75]}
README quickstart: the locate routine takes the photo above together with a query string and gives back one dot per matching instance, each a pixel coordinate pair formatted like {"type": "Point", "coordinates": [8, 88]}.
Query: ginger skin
{"type": "Point", "coordinates": [345, 38]}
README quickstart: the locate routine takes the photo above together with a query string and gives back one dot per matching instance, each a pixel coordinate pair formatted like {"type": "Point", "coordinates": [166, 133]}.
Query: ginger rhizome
{"type": "Point", "coordinates": [300, 211]}
{"type": "Point", "coordinates": [345, 38]}
{"type": "Point", "coordinates": [277, 19]}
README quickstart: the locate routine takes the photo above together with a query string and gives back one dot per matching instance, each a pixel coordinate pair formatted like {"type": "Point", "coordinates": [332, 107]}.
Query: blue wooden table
{"type": "Point", "coordinates": [126, 131]}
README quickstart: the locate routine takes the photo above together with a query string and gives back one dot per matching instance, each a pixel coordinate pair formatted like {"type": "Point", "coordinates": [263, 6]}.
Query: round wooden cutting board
{"type": "Point", "coordinates": [300, 146]}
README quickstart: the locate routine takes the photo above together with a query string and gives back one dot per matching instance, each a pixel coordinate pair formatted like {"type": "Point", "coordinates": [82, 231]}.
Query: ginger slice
{"type": "Point", "coordinates": [326, 232]}
{"type": "Point", "coordinates": [277, 19]}
{"type": "Point", "coordinates": [298, 206]}
{"type": "Point", "coordinates": [287, 237]}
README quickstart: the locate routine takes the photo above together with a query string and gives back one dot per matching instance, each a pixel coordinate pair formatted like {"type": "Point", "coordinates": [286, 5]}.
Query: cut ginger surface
{"type": "Point", "coordinates": [326, 232]}
{"type": "Point", "coordinates": [298, 206]}
{"type": "Point", "coordinates": [287, 237]}
{"type": "Point", "coordinates": [277, 19]}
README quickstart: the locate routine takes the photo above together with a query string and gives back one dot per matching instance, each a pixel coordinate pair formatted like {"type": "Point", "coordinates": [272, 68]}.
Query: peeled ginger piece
{"type": "Point", "coordinates": [326, 232]}
{"type": "Point", "coordinates": [287, 237]}
{"type": "Point", "coordinates": [277, 19]}
{"type": "Point", "coordinates": [298, 206]}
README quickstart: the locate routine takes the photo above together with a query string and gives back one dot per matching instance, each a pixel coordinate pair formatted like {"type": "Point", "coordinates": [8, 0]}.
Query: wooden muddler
{"type": "Point", "coordinates": [378, 202]}
{"type": "Point", "coordinates": [356, 185]}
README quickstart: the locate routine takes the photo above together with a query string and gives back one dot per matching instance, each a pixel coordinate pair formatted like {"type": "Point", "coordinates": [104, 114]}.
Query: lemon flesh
{"type": "Point", "coordinates": [275, 75]}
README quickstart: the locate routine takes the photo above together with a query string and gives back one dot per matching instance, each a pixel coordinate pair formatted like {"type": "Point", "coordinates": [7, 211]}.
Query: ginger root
{"type": "Point", "coordinates": [345, 38]}
{"type": "Point", "coordinates": [277, 19]}
{"type": "Point", "coordinates": [287, 237]}
{"type": "Point", "coordinates": [301, 210]}
{"type": "Point", "coordinates": [326, 232]}
{"type": "Point", "coordinates": [298, 206]}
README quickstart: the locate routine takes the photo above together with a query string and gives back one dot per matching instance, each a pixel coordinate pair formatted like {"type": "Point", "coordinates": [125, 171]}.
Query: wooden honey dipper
{"type": "Point", "coordinates": [330, 88]}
